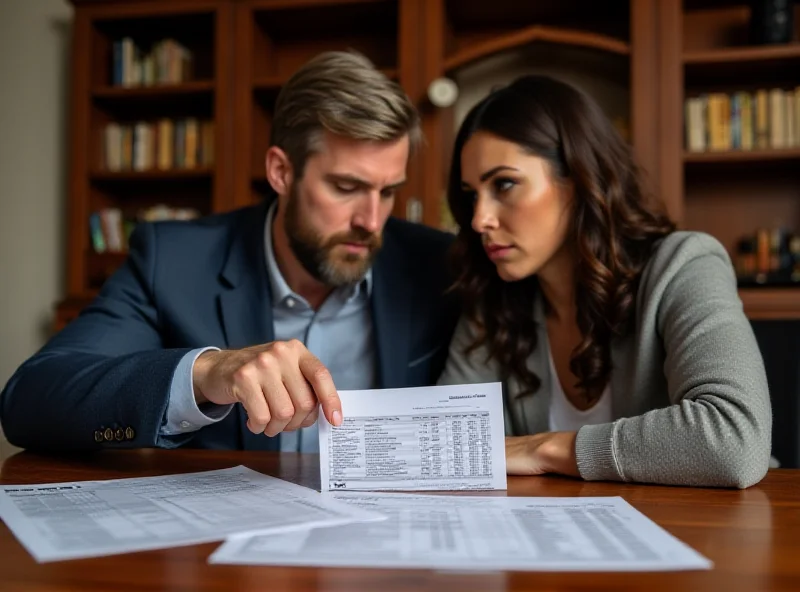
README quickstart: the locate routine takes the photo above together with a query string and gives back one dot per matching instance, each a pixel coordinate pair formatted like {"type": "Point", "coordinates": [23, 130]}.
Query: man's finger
{"type": "Point", "coordinates": [280, 405]}
{"type": "Point", "coordinates": [303, 398]}
{"type": "Point", "coordinates": [248, 392]}
{"type": "Point", "coordinates": [320, 379]}
{"type": "Point", "coordinates": [311, 419]}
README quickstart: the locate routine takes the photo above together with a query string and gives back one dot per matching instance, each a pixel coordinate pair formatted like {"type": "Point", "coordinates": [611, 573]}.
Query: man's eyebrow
{"type": "Point", "coordinates": [333, 177]}
{"type": "Point", "coordinates": [396, 185]}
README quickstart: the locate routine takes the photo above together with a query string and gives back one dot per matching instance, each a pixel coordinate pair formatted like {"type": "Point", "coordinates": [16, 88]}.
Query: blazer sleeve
{"type": "Point", "coordinates": [104, 380]}
{"type": "Point", "coordinates": [717, 430]}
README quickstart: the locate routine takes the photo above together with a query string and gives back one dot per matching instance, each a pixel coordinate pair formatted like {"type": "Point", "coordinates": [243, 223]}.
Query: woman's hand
{"type": "Point", "coordinates": [549, 452]}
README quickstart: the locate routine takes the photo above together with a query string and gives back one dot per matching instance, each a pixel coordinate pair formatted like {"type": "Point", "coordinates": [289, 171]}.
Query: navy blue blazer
{"type": "Point", "coordinates": [104, 380]}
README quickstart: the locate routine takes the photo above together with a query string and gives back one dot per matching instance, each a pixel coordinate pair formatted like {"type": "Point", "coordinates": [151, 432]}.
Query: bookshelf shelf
{"type": "Point", "coordinates": [198, 173]}
{"type": "Point", "coordinates": [748, 66]}
{"type": "Point", "coordinates": [789, 52]}
{"type": "Point", "coordinates": [743, 156]}
{"type": "Point", "coordinates": [771, 303]}
{"type": "Point", "coordinates": [196, 87]}
{"type": "Point", "coordinates": [535, 33]}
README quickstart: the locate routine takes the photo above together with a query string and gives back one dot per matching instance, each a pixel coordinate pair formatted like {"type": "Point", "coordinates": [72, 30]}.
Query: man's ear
{"type": "Point", "coordinates": [279, 170]}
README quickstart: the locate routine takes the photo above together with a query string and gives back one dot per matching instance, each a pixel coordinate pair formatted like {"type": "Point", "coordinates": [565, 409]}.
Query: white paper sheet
{"type": "Point", "coordinates": [93, 518]}
{"type": "Point", "coordinates": [477, 533]}
{"type": "Point", "coordinates": [430, 438]}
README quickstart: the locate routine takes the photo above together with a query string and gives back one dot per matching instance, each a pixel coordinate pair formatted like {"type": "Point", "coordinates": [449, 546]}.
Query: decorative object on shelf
{"type": "Point", "coordinates": [771, 21]}
{"type": "Point", "coordinates": [443, 92]}
{"type": "Point", "coordinates": [794, 253]}
{"type": "Point", "coordinates": [770, 257]}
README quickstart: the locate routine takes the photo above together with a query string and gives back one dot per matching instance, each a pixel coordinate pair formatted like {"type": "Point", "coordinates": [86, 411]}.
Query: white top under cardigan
{"type": "Point", "coordinates": [565, 417]}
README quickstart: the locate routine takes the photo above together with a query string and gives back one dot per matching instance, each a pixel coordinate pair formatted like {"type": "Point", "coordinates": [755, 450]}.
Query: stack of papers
{"type": "Point", "coordinates": [444, 438]}
{"type": "Point", "coordinates": [92, 518]}
{"type": "Point", "coordinates": [477, 533]}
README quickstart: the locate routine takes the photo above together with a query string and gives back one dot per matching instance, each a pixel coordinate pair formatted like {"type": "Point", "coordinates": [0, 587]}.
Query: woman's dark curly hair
{"type": "Point", "coordinates": [613, 227]}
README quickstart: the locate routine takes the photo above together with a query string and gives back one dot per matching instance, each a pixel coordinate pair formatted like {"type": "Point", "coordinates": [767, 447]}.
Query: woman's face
{"type": "Point", "coordinates": [521, 214]}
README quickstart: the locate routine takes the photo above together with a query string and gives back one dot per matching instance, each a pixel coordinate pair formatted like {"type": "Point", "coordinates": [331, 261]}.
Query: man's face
{"type": "Point", "coordinates": [336, 212]}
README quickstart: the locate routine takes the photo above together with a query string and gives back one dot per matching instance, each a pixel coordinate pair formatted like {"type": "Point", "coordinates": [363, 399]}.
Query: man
{"type": "Point", "coordinates": [228, 331]}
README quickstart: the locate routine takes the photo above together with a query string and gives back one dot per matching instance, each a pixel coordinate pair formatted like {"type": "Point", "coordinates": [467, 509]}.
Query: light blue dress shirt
{"type": "Point", "coordinates": [340, 334]}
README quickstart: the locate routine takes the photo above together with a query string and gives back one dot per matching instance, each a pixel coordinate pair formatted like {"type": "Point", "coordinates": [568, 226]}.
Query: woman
{"type": "Point", "coordinates": [622, 343]}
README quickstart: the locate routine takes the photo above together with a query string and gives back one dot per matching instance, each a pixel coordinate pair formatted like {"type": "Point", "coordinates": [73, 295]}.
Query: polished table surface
{"type": "Point", "coordinates": [752, 536]}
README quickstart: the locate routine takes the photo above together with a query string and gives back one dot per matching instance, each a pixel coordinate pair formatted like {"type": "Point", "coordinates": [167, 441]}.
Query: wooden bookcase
{"type": "Point", "coordinates": [652, 52]}
{"type": "Point", "coordinates": [98, 98]}
{"type": "Point", "coordinates": [733, 192]}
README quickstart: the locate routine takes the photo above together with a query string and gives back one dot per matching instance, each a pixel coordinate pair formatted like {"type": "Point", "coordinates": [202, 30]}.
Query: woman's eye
{"type": "Point", "coordinates": [503, 185]}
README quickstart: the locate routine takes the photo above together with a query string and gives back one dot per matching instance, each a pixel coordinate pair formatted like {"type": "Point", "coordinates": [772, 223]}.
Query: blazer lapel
{"type": "Point", "coordinates": [392, 299]}
{"type": "Point", "coordinates": [246, 307]}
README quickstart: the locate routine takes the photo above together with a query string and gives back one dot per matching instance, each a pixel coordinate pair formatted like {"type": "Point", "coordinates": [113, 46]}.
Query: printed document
{"type": "Point", "coordinates": [94, 518]}
{"type": "Point", "coordinates": [430, 438]}
{"type": "Point", "coordinates": [477, 533]}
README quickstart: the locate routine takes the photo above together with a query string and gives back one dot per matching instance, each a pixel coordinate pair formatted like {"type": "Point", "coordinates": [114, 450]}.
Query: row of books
{"type": "Point", "coordinates": [165, 62]}
{"type": "Point", "coordinates": [110, 229]}
{"type": "Point", "coordinates": [768, 256]}
{"type": "Point", "coordinates": [766, 118]}
{"type": "Point", "coordinates": [164, 145]}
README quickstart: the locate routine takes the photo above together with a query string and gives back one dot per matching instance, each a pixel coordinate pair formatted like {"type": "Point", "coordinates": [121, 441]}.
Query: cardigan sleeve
{"type": "Point", "coordinates": [717, 429]}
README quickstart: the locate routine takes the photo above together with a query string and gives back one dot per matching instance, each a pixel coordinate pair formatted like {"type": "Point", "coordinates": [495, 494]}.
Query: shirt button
{"type": "Point", "coordinates": [185, 425]}
{"type": "Point", "coordinates": [290, 302]}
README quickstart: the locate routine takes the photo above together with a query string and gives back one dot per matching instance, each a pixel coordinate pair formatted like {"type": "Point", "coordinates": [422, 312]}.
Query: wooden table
{"type": "Point", "coordinates": [752, 536]}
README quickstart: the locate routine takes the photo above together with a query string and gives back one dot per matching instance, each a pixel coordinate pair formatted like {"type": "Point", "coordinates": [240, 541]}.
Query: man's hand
{"type": "Point", "coordinates": [279, 384]}
{"type": "Point", "coordinates": [549, 452]}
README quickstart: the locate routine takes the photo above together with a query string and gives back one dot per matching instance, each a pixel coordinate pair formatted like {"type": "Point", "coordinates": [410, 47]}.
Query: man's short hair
{"type": "Point", "coordinates": [341, 92]}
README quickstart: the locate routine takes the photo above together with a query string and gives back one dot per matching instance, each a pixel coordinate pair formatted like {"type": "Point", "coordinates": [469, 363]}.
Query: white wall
{"type": "Point", "coordinates": [34, 78]}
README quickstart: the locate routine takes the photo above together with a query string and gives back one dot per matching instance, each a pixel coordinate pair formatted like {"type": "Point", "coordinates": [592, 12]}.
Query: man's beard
{"type": "Point", "coordinates": [316, 254]}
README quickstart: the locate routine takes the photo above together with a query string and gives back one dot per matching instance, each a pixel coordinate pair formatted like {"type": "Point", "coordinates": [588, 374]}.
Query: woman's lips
{"type": "Point", "coordinates": [497, 251]}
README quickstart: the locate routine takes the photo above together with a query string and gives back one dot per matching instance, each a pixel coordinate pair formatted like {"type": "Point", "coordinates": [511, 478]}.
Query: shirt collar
{"type": "Point", "coordinates": [280, 289]}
